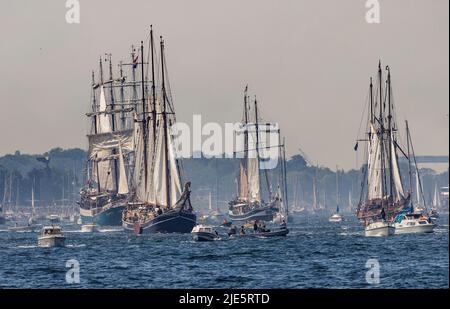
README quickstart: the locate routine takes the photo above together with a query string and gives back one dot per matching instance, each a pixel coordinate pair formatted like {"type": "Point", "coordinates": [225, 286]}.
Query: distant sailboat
{"type": "Point", "coordinates": [384, 197]}
{"type": "Point", "coordinates": [249, 204]}
{"type": "Point", "coordinates": [104, 197]}
{"type": "Point", "coordinates": [159, 203]}
{"type": "Point", "coordinates": [336, 217]}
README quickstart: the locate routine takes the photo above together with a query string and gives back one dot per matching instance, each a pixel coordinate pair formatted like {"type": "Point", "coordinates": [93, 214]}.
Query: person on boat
{"type": "Point", "coordinates": [383, 214]}
{"type": "Point", "coordinates": [255, 227]}
{"type": "Point", "coordinates": [242, 232]}
{"type": "Point", "coordinates": [283, 225]}
{"type": "Point", "coordinates": [232, 231]}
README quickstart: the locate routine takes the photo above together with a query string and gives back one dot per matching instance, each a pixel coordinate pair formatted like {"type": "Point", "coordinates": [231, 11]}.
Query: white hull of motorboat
{"type": "Point", "coordinates": [379, 229]}
{"type": "Point", "coordinates": [401, 228]}
{"type": "Point", "coordinates": [51, 241]}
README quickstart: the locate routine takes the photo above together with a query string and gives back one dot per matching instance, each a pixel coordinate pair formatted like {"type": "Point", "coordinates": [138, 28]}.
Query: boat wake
{"type": "Point", "coordinates": [111, 230]}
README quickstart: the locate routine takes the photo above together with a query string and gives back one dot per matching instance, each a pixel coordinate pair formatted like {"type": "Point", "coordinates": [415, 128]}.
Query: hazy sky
{"type": "Point", "coordinates": [308, 61]}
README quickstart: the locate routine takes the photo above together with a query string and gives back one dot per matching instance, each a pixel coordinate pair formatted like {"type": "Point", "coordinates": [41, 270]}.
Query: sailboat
{"type": "Point", "coordinates": [249, 205]}
{"type": "Point", "coordinates": [296, 207]}
{"type": "Point", "coordinates": [409, 220]}
{"type": "Point", "coordinates": [436, 203]}
{"type": "Point", "coordinates": [336, 217]}
{"type": "Point", "coordinates": [159, 204]}
{"type": "Point", "coordinates": [384, 197]}
{"type": "Point", "coordinates": [104, 197]}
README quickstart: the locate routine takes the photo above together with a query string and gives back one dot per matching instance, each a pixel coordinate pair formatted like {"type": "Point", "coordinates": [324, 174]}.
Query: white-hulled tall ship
{"type": "Point", "coordinates": [384, 196]}
{"type": "Point", "coordinates": [249, 205]}
{"type": "Point", "coordinates": [105, 195]}
{"type": "Point", "coordinates": [159, 203]}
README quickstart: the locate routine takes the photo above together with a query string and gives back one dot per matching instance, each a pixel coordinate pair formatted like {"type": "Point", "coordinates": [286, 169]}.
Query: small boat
{"type": "Point", "coordinates": [335, 218]}
{"type": "Point", "coordinates": [51, 236]}
{"type": "Point", "coordinates": [89, 228]}
{"type": "Point", "coordinates": [269, 233]}
{"type": "Point", "coordinates": [379, 229]}
{"type": "Point", "coordinates": [53, 218]}
{"type": "Point", "coordinates": [204, 233]}
{"type": "Point", "coordinates": [23, 228]}
{"type": "Point", "coordinates": [413, 223]}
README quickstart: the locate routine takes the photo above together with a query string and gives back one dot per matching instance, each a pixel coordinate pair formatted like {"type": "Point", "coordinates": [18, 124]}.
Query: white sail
{"type": "Point", "coordinates": [104, 168]}
{"type": "Point", "coordinates": [123, 182]}
{"type": "Point", "coordinates": [175, 182]}
{"type": "Point", "coordinates": [253, 166]}
{"type": "Point", "coordinates": [417, 187]}
{"type": "Point", "coordinates": [436, 200]}
{"type": "Point", "coordinates": [396, 173]}
{"type": "Point", "coordinates": [32, 200]}
{"type": "Point", "coordinates": [139, 175]}
{"type": "Point", "coordinates": [374, 181]}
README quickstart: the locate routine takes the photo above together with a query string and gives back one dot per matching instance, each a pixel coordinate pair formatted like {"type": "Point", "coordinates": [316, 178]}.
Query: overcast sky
{"type": "Point", "coordinates": [308, 61]}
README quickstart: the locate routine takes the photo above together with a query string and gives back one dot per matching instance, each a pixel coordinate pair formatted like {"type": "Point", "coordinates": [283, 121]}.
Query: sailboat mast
{"type": "Point", "coordinates": [409, 157]}
{"type": "Point", "coordinates": [94, 109]}
{"type": "Point", "coordinates": [246, 140]}
{"type": "Point", "coordinates": [381, 121]}
{"type": "Point", "coordinates": [371, 100]}
{"type": "Point", "coordinates": [164, 114]}
{"type": "Point", "coordinates": [338, 197]}
{"type": "Point", "coordinates": [122, 97]}
{"type": "Point", "coordinates": [153, 83]}
{"type": "Point", "coordinates": [144, 114]}
{"type": "Point", "coordinates": [113, 120]}
{"type": "Point", "coordinates": [390, 131]}
{"type": "Point", "coordinates": [286, 202]}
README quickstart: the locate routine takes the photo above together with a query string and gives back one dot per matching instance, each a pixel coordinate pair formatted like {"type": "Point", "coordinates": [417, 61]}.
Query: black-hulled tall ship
{"type": "Point", "coordinates": [159, 203]}
{"type": "Point", "coordinates": [104, 197]}
{"type": "Point", "coordinates": [382, 195]}
{"type": "Point", "coordinates": [248, 204]}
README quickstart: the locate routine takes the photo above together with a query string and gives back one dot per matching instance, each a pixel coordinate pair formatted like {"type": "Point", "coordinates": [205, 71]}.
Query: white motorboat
{"type": "Point", "coordinates": [89, 228]}
{"type": "Point", "coordinates": [379, 229]}
{"type": "Point", "coordinates": [413, 223]}
{"type": "Point", "coordinates": [51, 236]}
{"type": "Point", "coordinates": [204, 233]}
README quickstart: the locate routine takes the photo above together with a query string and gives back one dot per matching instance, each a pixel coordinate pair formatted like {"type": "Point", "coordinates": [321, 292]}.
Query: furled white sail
{"type": "Point", "coordinates": [374, 181]}
{"type": "Point", "coordinates": [396, 173]}
{"type": "Point", "coordinates": [175, 183]}
{"type": "Point", "coordinates": [253, 166]}
{"type": "Point", "coordinates": [103, 168]}
{"type": "Point", "coordinates": [101, 145]}
{"type": "Point", "coordinates": [123, 182]}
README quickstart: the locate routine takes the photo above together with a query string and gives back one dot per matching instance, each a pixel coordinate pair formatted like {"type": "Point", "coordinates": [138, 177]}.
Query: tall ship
{"type": "Point", "coordinates": [106, 192]}
{"type": "Point", "coordinates": [249, 204]}
{"type": "Point", "coordinates": [382, 195]}
{"type": "Point", "coordinates": [159, 203]}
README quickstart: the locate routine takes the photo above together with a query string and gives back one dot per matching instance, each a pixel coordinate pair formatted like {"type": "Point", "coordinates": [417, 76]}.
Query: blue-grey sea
{"type": "Point", "coordinates": [315, 254]}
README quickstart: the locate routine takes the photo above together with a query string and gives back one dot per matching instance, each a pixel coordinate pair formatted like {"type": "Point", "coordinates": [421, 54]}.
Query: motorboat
{"type": "Point", "coordinates": [379, 229]}
{"type": "Point", "coordinates": [413, 223]}
{"type": "Point", "coordinates": [51, 236]}
{"type": "Point", "coordinates": [204, 233]}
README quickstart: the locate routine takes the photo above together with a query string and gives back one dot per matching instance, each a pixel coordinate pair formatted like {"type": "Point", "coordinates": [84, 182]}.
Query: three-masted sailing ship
{"type": "Point", "coordinates": [159, 203]}
{"type": "Point", "coordinates": [249, 204]}
{"type": "Point", "coordinates": [382, 195]}
{"type": "Point", "coordinates": [104, 197]}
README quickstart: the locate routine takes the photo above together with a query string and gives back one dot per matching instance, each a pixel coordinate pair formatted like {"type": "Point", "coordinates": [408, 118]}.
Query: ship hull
{"type": "Point", "coordinates": [262, 214]}
{"type": "Point", "coordinates": [170, 222]}
{"type": "Point", "coordinates": [107, 216]}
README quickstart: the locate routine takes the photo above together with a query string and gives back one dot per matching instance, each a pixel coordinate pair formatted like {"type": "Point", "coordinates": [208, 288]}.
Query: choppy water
{"type": "Point", "coordinates": [316, 254]}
